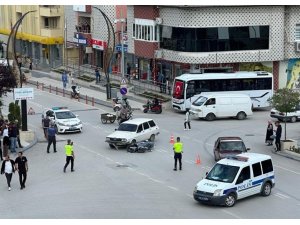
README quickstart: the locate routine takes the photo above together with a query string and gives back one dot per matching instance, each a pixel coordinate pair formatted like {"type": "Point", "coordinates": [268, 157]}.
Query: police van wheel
{"type": "Point", "coordinates": [230, 200]}
{"type": "Point", "coordinates": [266, 190]}
{"type": "Point", "coordinates": [210, 117]}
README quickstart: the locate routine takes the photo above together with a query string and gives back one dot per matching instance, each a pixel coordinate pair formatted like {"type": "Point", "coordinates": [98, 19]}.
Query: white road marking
{"type": "Point", "coordinates": [282, 196]}
{"type": "Point", "coordinates": [157, 181]}
{"type": "Point", "coordinates": [173, 188]}
{"type": "Point", "coordinates": [292, 171]}
{"type": "Point", "coordinates": [232, 214]}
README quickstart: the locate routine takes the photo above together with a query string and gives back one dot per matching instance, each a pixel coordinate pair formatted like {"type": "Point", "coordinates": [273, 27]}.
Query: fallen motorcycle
{"type": "Point", "coordinates": [140, 147]}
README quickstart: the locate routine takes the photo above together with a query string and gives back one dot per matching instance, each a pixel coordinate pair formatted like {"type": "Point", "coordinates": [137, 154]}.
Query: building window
{"type": "Point", "coordinates": [144, 30]}
{"type": "Point", "coordinates": [51, 22]}
{"type": "Point", "coordinates": [297, 33]}
{"type": "Point", "coordinates": [215, 39]}
{"type": "Point", "coordinates": [133, 30]}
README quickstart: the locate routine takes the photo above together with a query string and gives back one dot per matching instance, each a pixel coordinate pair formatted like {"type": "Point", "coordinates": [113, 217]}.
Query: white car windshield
{"type": "Point", "coordinates": [127, 127]}
{"type": "Point", "coordinates": [199, 101]}
{"type": "Point", "coordinates": [65, 115]}
{"type": "Point", "coordinates": [223, 173]}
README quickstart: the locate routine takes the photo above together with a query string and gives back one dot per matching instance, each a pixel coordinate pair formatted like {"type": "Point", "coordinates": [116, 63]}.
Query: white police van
{"type": "Point", "coordinates": [235, 178]}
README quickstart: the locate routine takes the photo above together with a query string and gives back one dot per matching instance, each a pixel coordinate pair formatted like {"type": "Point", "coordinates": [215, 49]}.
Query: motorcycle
{"type": "Point", "coordinates": [75, 93]}
{"type": "Point", "coordinates": [140, 147]}
{"type": "Point", "coordinates": [123, 115]}
{"type": "Point", "coordinates": [155, 108]}
{"type": "Point", "coordinates": [117, 105]}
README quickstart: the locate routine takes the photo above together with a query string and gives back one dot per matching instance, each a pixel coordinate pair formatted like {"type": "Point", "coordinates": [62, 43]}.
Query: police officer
{"type": "Point", "coordinates": [178, 150]}
{"type": "Point", "coordinates": [69, 155]}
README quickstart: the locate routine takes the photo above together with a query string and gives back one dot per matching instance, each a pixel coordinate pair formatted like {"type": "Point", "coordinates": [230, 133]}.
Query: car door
{"type": "Point", "coordinates": [209, 107]}
{"type": "Point", "coordinates": [139, 133]}
{"type": "Point", "coordinates": [244, 183]}
{"type": "Point", "coordinates": [147, 132]}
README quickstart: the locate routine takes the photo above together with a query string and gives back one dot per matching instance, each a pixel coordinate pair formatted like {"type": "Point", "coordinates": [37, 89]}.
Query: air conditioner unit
{"type": "Point", "coordinates": [297, 46]}
{"type": "Point", "coordinates": [158, 20]}
{"type": "Point", "coordinates": [158, 54]}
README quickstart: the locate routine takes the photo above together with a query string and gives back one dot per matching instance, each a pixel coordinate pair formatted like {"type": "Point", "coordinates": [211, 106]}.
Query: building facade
{"type": "Point", "coordinates": [41, 34]}
{"type": "Point", "coordinates": [177, 39]}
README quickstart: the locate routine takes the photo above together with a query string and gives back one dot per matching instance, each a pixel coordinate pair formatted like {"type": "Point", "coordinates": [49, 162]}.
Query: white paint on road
{"type": "Point", "coordinates": [280, 195]}
{"type": "Point", "coordinates": [231, 214]}
{"type": "Point", "coordinates": [173, 188]}
{"type": "Point", "coordinates": [283, 168]}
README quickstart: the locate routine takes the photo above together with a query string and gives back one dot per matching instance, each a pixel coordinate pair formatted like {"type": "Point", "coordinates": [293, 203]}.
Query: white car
{"type": "Point", "coordinates": [138, 129]}
{"type": "Point", "coordinates": [64, 119]}
{"type": "Point", "coordinates": [291, 116]}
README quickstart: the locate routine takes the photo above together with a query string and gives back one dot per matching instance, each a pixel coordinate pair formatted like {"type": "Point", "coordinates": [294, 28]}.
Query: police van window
{"type": "Point", "coordinates": [140, 128]}
{"type": "Point", "coordinates": [211, 101]}
{"type": "Point", "coordinates": [151, 123]}
{"type": "Point", "coordinates": [267, 166]}
{"type": "Point", "coordinates": [256, 169]}
{"type": "Point", "coordinates": [244, 175]}
{"type": "Point", "coordinates": [146, 125]}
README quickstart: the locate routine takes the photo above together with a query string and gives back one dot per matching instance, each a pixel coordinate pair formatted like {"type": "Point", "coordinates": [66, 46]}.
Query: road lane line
{"type": "Point", "coordinates": [173, 188]}
{"type": "Point", "coordinates": [232, 214]}
{"type": "Point", "coordinates": [292, 171]}
{"type": "Point", "coordinates": [282, 196]}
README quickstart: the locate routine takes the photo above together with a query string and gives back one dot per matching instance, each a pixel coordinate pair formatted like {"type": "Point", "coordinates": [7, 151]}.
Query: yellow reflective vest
{"type": "Point", "coordinates": [178, 146]}
{"type": "Point", "coordinates": [69, 150]}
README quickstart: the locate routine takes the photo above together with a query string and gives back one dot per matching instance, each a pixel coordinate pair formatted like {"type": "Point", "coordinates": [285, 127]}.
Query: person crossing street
{"type": "Point", "coordinates": [178, 150]}
{"type": "Point", "coordinates": [69, 155]}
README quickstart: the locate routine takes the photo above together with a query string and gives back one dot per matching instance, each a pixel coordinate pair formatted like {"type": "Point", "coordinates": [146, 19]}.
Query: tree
{"type": "Point", "coordinates": [285, 100]}
{"type": "Point", "coordinates": [7, 80]}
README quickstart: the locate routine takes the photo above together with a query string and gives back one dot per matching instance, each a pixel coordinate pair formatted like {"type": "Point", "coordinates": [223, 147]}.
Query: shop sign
{"type": "Point", "coordinates": [99, 44]}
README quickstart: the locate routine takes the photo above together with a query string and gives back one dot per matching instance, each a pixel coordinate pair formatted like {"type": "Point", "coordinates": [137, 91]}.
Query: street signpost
{"type": "Point", "coordinates": [123, 91]}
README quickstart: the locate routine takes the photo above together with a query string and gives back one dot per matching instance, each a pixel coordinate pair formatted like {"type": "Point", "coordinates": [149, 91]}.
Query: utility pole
{"type": "Point", "coordinates": [122, 21]}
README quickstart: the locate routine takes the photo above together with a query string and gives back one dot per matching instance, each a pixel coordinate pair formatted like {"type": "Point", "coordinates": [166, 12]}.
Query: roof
{"type": "Point", "coordinates": [252, 158]}
{"type": "Point", "coordinates": [219, 94]}
{"type": "Point", "coordinates": [212, 76]}
{"type": "Point", "coordinates": [137, 121]}
{"type": "Point", "coordinates": [230, 139]}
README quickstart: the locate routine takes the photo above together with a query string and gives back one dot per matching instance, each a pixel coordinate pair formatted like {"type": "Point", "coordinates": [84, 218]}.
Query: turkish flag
{"type": "Point", "coordinates": [178, 88]}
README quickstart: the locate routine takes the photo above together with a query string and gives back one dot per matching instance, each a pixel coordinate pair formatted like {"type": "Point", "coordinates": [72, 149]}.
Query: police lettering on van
{"type": "Point", "coordinates": [235, 178]}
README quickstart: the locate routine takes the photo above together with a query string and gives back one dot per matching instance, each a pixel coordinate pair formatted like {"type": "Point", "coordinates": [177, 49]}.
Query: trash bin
{"type": "Point", "coordinates": [114, 92]}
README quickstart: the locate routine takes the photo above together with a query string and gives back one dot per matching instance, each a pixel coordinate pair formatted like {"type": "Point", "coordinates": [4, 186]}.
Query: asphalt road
{"type": "Point", "coordinates": [116, 184]}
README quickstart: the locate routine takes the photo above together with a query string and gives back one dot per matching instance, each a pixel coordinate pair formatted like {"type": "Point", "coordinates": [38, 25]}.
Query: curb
{"type": "Point", "coordinates": [34, 142]}
{"type": "Point", "coordinates": [286, 155]}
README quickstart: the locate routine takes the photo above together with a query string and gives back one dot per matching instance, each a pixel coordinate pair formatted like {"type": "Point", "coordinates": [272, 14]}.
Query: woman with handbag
{"type": "Point", "coordinates": [269, 134]}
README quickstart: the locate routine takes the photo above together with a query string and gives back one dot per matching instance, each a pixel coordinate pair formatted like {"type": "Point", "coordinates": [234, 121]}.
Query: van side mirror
{"type": "Point", "coordinates": [248, 149]}
{"type": "Point", "coordinates": [206, 173]}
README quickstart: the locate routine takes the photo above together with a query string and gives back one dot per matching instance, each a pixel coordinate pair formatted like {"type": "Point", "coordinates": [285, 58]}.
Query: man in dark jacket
{"type": "Point", "coordinates": [51, 137]}
{"type": "Point", "coordinates": [22, 168]}
{"type": "Point", "coordinates": [278, 136]}
{"type": "Point", "coordinates": [8, 168]}
{"type": "Point", "coordinates": [13, 133]}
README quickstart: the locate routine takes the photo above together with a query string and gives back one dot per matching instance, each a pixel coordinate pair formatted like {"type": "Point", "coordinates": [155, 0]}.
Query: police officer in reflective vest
{"type": "Point", "coordinates": [177, 147]}
{"type": "Point", "coordinates": [69, 155]}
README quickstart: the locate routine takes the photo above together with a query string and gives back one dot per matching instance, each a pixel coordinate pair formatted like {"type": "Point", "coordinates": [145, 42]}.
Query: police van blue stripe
{"type": "Point", "coordinates": [261, 180]}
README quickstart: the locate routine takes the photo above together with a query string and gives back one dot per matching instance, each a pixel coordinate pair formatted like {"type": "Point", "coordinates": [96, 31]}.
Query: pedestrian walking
{"type": "Point", "coordinates": [21, 165]}
{"type": "Point", "coordinates": [128, 72]}
{"type": "Point", "coordinates": [30, 63]}
{"type": "Point", "coordinates": [269, 134]}
{"type": "Point", "coordinates": [18, 134]}
{"type": "Point", "coordinates": [71, 78]}
{"type": "Point", "coordinates": [12, 133]}
{"type": "Point", "coordinates": [278, 136]}
{"type": "Point", "coordinates": [187, 120]}
{"type": "Point", "coordinates": [51, 137]}
{"type": "Point", "coordinates": [178, 150]}
{"type": "Point", "coordinates": [98, 76]}
{"type": "Point", "coordinates": [69, 155]}
{"type": "Point", "coordinates": [64, 78]}
{"type": "Point", "coordinates": [5, 140]}
{"type": "Point", "coordinates": [160, 81]}
{"type": "Point", "coordinates": [46, 124]}
{"type": "Point", "coordinates": [8, 168]}
{"type": "Point", "coordinates": [168, 85]}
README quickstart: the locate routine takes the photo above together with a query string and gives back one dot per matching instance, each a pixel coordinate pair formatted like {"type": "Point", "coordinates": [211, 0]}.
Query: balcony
{"type": "Point", "coordinates": [51, 32]}
{"type": "Point", "coordinates": [50, 11]}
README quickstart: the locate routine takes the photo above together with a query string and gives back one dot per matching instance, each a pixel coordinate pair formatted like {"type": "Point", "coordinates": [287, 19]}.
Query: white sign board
{"type": "Point", "coordinates": [23, 93]}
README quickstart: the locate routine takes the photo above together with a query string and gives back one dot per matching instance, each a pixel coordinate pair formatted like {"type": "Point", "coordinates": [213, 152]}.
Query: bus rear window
{"type": "Point", "coordinates": [178, 90]}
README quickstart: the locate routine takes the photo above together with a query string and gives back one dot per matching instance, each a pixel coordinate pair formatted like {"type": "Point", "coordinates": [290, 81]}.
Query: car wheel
{"type": "Point", "coordinates": [230, 200]}
{"type": "Point", "coordinates": [241, 116]}
{"type": "Point", "coordinates": [210, 117]}
{"type": "Point", "coordinates": [293, 119]}
{"type": "Point", "coordinates": [266, 189]}
{"type": "Point", "coordinates": [152, 138]}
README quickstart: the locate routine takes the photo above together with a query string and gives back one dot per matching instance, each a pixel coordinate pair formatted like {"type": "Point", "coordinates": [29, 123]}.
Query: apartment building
{"type": "Point", "coordinates": [178, 39]}
{"type": "Point", "coordinates": [41, 34]}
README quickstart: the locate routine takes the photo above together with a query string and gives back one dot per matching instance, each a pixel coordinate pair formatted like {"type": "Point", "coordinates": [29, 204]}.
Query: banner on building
{"type": "Point", "coordinates": [99, 44]}
{"type": "Point", "coordinates": [293, 74]}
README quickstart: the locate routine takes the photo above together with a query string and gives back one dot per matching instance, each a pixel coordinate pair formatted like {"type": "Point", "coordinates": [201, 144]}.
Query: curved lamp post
{"type": "Point", "coordinates": [12, 36]}
{"type": "Point", "coordinates": [108, 55]}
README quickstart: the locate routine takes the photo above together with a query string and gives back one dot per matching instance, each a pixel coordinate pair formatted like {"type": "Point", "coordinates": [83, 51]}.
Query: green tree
{"type": "Point", "coordinates": [285, 100]}
{"type": "Point", "coordinates": [14, 112]}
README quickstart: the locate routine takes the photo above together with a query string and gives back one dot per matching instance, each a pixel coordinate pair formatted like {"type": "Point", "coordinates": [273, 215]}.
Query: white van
{"type": "Point", "coordinates": [211, 106]}
{"type": "Point", "coordinates": [235, 178]}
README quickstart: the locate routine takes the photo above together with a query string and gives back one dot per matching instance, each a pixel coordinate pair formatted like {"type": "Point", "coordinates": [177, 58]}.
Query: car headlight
{"type": "Point", "coordinates": [195, 189]}
{"type": "Point", "coordinates": [199, 110]}
{"type": "Point", "coordinates": [218, 192]}
{"type": "Point", "coordinates": [107, 139]}
{"type": "Point", "coordinates": [61, 124]}
{"type": "Point", "coordinates": [124, 139]}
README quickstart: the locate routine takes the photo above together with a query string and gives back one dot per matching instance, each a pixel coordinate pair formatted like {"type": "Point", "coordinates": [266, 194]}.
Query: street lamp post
{"type": "Point", "coordinates": [107, 62]}
{"type": "Point", "coordinates": [122, 46]}
{"type": "Point", "coordinates": [12, 36]}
